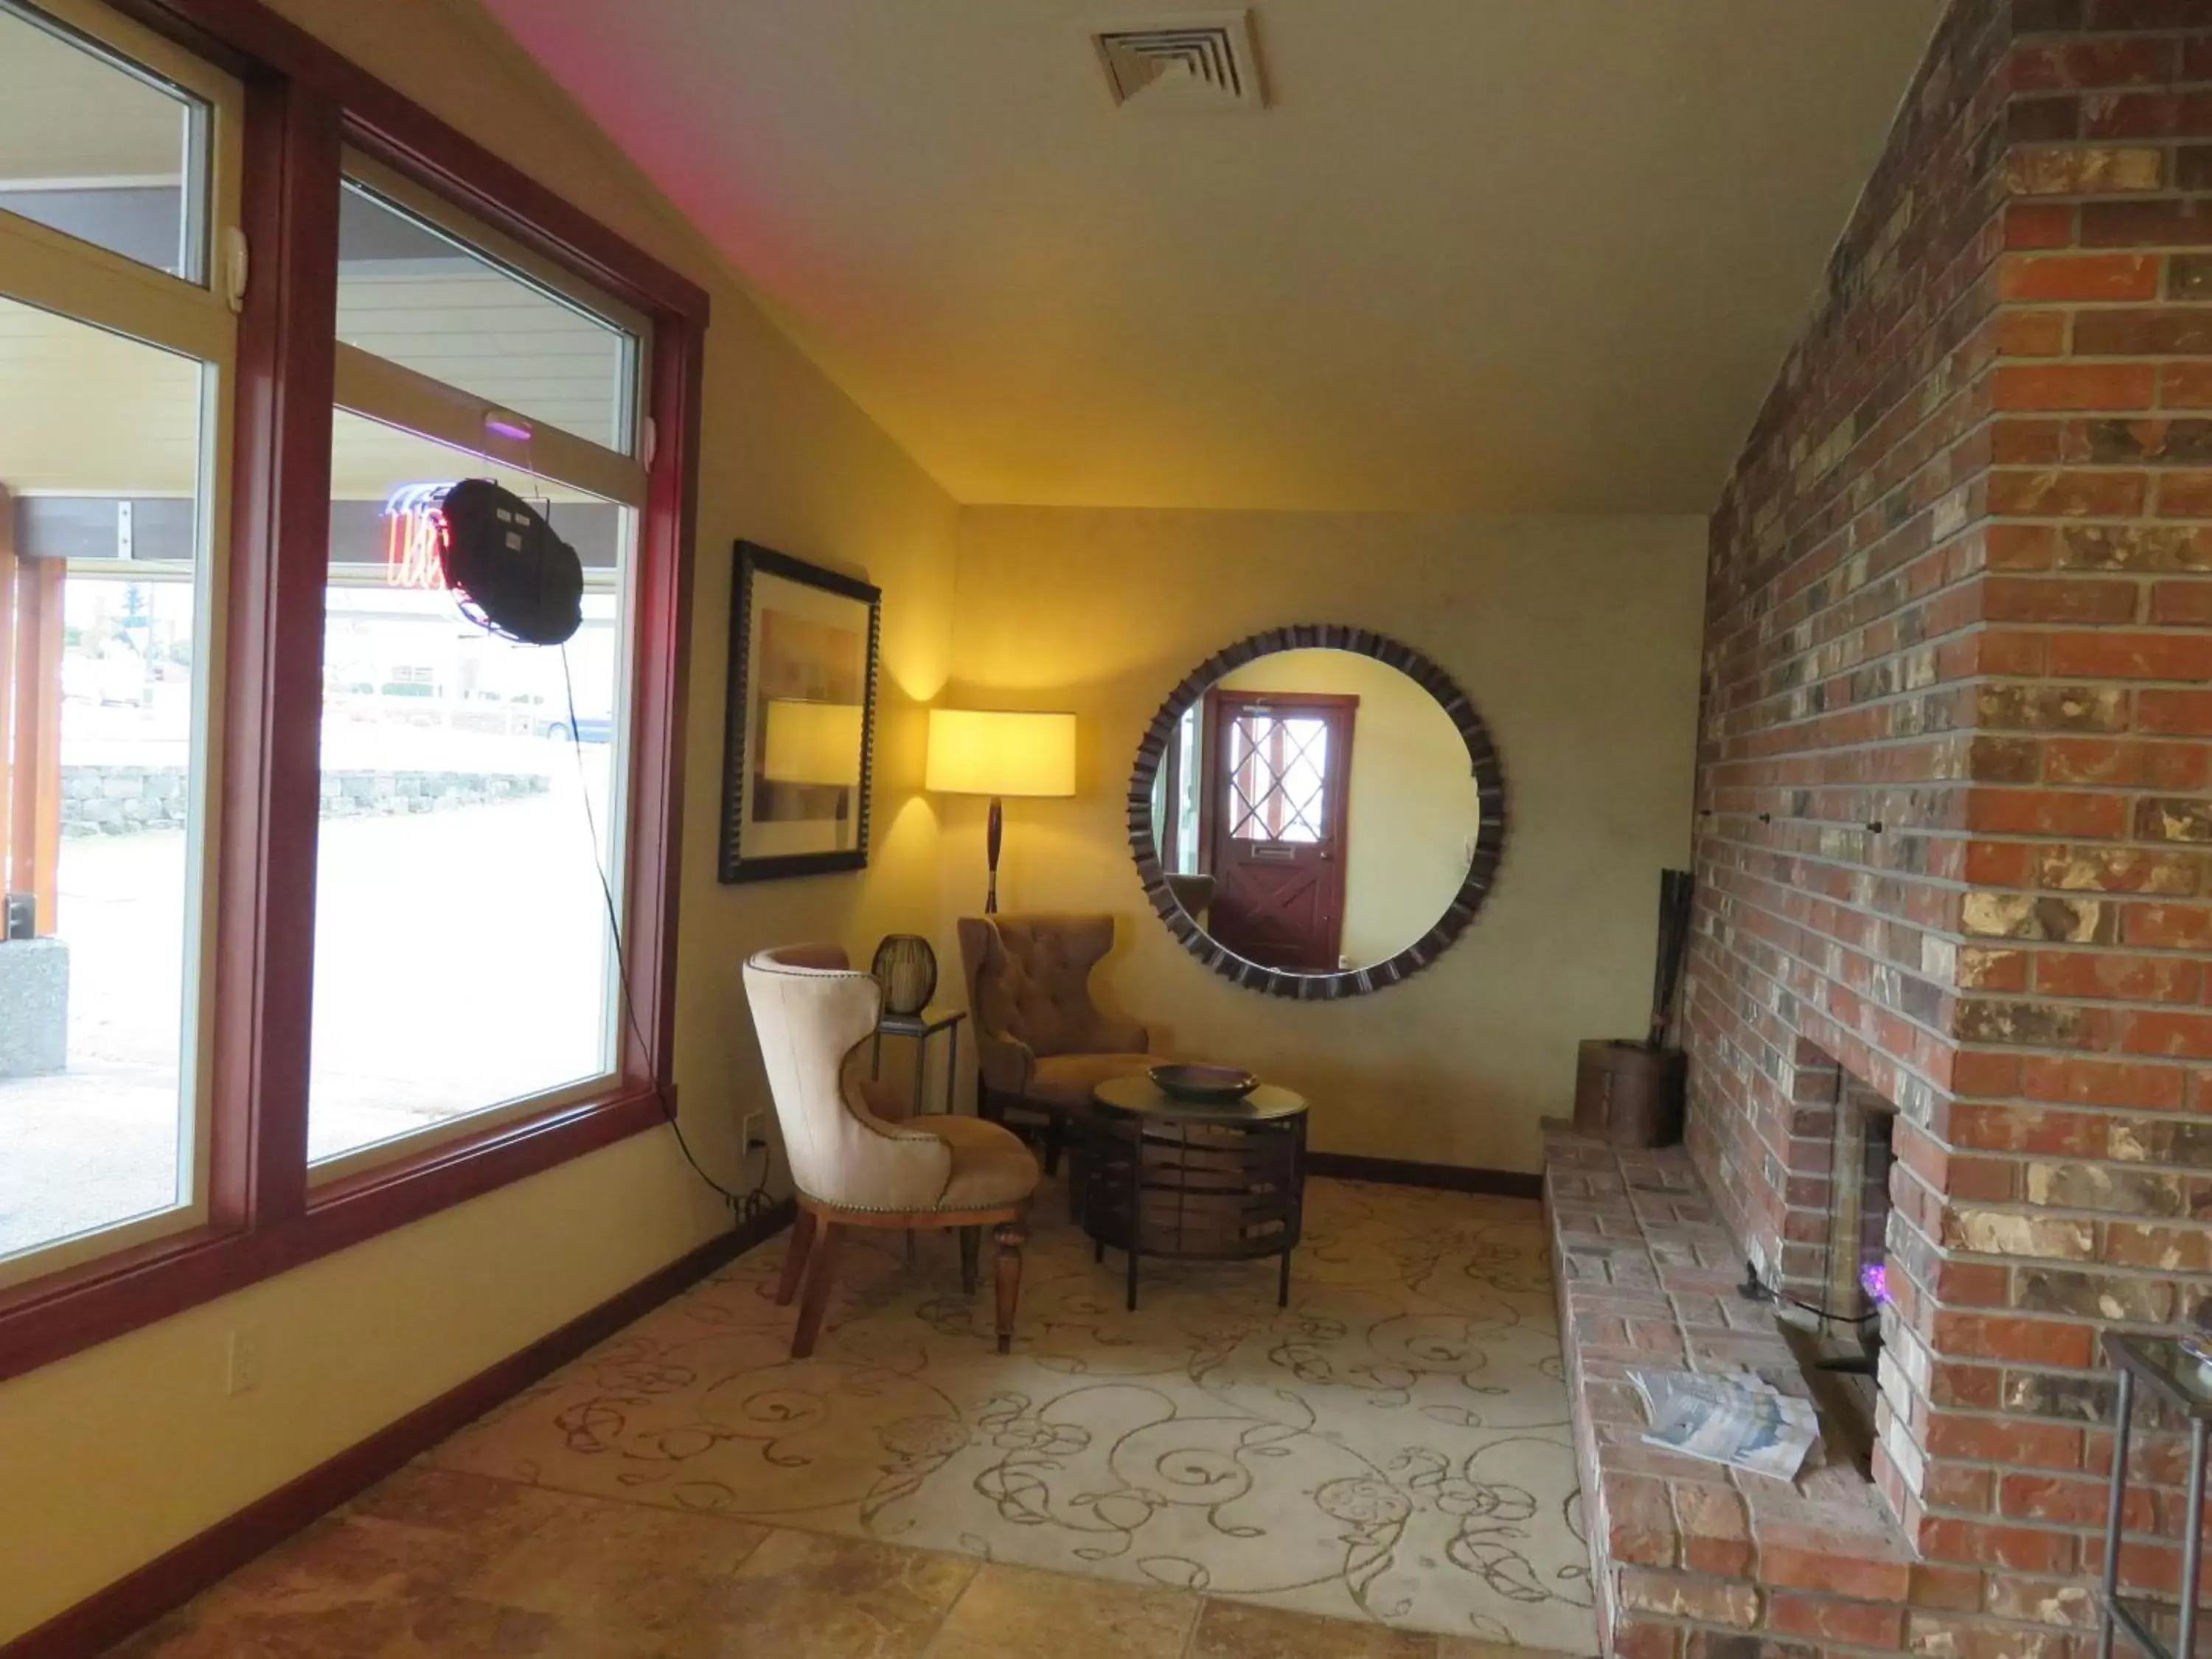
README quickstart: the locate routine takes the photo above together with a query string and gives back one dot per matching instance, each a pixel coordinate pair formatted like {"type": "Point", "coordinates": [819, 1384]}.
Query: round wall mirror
{"type": "Point", "coordinates": [1317, 811]}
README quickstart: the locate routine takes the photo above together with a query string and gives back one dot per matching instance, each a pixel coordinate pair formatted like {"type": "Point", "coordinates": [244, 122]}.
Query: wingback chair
{"type": "Point", "coordinates": [853, 1166]}
{"type": "Point", "coordinates": [1041, 1044]}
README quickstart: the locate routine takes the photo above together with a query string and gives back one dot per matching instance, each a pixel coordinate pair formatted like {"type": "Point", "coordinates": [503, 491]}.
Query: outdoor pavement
{"type": "Point", "coordinates": [460, 963]}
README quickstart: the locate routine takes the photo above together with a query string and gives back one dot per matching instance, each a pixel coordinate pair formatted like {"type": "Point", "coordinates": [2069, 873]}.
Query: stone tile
{"type": "Point", "coordinates": [1020, 1613]}
{"type": "Point", "coordinates": [1239, 1630]}
{"type": "Point", "coordinates": [345, 1631]}
{"type": "Point", "coordinates": [809, 1595]}
{"type": "Point", "coordinates": [447, 1626]}
{"type": "Point", "coordinates": [624, 1566]}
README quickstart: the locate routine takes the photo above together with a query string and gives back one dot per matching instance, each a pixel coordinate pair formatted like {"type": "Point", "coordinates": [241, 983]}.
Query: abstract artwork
{"type": "Point", "coordinates": [803, 644]}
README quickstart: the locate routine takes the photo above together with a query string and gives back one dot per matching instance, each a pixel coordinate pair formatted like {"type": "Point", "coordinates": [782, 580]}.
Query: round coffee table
{"type": "Point", "coordinates": [1163, 1177]}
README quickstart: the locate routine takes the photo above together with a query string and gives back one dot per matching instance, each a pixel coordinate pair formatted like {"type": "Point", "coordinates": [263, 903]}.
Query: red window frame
{"type": "Point", "coordinates": [304, 102]}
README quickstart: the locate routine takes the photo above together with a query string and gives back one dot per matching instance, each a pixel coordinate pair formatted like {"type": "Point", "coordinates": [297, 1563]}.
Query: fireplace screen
{"type": "Point", "coordinates": [1858, 1216]}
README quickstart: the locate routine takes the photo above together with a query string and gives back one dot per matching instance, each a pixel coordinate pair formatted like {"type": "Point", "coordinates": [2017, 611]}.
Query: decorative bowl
{"type": "Point", "coordinates": [1204, 1085]}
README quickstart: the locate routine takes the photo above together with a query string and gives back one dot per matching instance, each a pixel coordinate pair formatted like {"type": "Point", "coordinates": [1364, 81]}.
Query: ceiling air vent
{"type": "Point", "coordinates": [1194, 61]}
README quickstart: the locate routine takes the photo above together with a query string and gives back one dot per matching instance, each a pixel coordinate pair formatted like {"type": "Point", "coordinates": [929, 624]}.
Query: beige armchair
{"type": "Point", "coordinates": [853, 1165]}
{"type": "Point", "coordinates": [1041, 1044]}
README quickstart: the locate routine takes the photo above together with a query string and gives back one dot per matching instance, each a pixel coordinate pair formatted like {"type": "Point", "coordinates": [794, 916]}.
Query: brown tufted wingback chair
{"type": "Point", "coordinates": [853, 1164]}
{"type": "Point", "coordinates": [1041, 1044]}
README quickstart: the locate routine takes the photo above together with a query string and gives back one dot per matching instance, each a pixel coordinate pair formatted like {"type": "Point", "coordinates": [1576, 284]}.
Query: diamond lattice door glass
{"type": "Point", "coordinates": [1278, 770]}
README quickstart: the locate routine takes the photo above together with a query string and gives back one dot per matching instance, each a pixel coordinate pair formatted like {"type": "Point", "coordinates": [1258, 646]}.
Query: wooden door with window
{"type": "Point", "coordinates": [1277, 766]}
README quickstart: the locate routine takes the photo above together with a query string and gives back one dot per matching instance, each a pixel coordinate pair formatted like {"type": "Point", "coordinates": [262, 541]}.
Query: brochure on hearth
{"type": "Point", "coordinates": [1741, 1420]}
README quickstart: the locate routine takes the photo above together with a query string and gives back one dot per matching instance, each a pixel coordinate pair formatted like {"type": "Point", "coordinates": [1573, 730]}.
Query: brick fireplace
{"type": "Point", "coordinates": [1954, 838]}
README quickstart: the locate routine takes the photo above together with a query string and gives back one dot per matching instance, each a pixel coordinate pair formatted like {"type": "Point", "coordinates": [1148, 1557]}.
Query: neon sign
{"type": "Point", "coordinates": [415, 537]}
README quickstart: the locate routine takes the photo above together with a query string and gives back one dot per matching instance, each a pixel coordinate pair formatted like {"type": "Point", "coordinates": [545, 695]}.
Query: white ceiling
{"type": "Point", "coordinates": [1480, 255]}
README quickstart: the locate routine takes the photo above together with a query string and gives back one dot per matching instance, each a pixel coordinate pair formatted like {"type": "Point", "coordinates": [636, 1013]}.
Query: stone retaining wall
{"type": "Point", "coordinates": [117, 800]}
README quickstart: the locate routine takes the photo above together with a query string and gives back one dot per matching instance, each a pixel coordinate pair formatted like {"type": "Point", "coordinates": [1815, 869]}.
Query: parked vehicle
{"type": "Point", "coordinates": [590, 728]}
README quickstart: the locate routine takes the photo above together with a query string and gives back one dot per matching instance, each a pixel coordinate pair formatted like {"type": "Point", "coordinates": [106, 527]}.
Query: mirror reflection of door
{"type": "Point", "coordinates": [1273, 826]}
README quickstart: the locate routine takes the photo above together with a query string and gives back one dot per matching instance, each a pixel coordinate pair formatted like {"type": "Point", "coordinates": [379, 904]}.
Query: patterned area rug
{"type": "Point", "coordinates": [1392, 1446]}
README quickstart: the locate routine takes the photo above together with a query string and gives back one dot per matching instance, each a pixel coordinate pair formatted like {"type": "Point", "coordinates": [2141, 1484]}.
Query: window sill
{"type": "Point", "coordinates": [46, 1319]}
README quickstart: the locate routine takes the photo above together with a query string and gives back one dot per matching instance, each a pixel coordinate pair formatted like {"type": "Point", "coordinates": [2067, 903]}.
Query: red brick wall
{"type": "Point", "coordinates": [1961, 588]}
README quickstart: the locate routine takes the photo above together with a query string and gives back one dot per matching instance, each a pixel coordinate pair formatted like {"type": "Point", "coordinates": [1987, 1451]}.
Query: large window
{"type": "Point", "coordinates": [104, 146]}
{"type": "Point", "coordinates": [324, 907]}
{"type": "Point", "coordinates": [471, 787]}
{"type": "Point", "coordinates": [114, 388]}
{"type": "Point", "coordinates": [462, 938]}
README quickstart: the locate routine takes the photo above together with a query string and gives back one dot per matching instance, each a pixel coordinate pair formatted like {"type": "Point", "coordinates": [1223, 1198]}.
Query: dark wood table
{"type": "Point", "coordinates": [1163, 1177]}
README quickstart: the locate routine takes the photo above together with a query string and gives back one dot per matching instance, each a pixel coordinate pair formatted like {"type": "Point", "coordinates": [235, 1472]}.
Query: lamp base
{"type": "Point", "coordinates": [991, 840]}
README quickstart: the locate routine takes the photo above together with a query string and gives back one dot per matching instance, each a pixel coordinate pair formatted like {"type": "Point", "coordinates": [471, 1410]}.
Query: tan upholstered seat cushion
{"type": "Point", "coordinates": [1066, 1081]}
{"type": "Point", "coordinates": [991, 1167]}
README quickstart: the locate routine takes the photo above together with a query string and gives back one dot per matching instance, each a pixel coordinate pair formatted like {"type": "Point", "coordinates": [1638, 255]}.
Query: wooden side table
{"type": "Point", "coordinates": [921, 1027]}
{"type": "Point", "coordinates": [1163, 1177]}
{"type": "Point", "coordinates": [2178, 1380]}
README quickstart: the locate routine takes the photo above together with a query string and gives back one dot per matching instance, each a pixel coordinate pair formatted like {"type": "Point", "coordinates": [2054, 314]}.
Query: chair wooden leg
{"type": "Point", "coordinates": [794, 1258]}
{"type": "Point", "coordinates": [821, 1269]}
{"type": "Point", "coordinates": [971, 1251]}
{"type": "Point", "coordinates": [1009, 1236]}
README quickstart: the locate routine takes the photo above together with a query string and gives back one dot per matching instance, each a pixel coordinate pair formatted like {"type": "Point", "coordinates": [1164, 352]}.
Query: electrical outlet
{"type": "Point", "coordinates": [749, 1131]}
{"type": "Point", "coordinates": [244, 1370]}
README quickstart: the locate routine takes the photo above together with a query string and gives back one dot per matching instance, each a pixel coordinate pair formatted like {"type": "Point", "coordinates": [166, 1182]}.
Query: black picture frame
{"type": "Point", "coordinates": [756, 568]}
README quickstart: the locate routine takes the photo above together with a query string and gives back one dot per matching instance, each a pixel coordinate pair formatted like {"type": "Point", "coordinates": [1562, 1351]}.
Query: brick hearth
{"type": "Point", "coordinates": [1691, 1557]}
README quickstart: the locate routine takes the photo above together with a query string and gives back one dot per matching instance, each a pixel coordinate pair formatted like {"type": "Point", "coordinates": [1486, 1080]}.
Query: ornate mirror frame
{"type": "Point", "coordinates": [1483, 762]}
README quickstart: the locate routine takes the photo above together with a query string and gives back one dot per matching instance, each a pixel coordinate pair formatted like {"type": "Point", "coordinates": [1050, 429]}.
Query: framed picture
{"type": "Point", "coordinates": [802, 713]}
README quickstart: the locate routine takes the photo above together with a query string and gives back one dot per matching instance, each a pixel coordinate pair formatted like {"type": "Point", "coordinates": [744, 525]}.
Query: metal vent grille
{"type": "Point", "coordinates": [1201, 61]}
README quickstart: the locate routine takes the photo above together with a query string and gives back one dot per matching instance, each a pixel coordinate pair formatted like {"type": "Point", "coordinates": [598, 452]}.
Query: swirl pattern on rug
{"type": "Point", "coordinates": [1392, 1446]}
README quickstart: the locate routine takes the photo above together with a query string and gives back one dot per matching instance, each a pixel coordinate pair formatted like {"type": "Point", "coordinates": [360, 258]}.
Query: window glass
{"type": "Point", "coordinates": [410, 295]}
{"type": "Point", "coordinates": [101, 600]}
{"type": "Point", "coordinates": [463, 946]}
{"type": "Point", "coordinates": [1278, 777]}
{"type": "Point", "coordinates": [100, 149]}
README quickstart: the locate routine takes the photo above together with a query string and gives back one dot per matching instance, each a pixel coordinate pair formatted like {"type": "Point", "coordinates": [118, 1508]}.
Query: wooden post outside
{"type": "Point", "coordinates": [34, 839]}
{"type": "Point", "coordinates": [8, 567]}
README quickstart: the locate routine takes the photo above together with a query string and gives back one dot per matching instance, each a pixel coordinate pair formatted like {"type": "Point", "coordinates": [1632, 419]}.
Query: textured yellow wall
{"type": "Point", "coordinates": [126, 1450]}
{"type": "Point", "coordinates": [1578, 639]}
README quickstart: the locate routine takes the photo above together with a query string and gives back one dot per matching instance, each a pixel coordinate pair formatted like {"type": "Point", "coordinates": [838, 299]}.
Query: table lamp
{"type": "Point", "coordinates": [1000, 752]}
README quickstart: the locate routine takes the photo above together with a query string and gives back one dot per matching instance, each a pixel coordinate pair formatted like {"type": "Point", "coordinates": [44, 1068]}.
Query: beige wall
{"type": "Point", "coordinates": [1578, 639]}
{"type": "Point", "coordinates": [124, 1450]}
{"type": "Point", "coordinates": [1410, 809]}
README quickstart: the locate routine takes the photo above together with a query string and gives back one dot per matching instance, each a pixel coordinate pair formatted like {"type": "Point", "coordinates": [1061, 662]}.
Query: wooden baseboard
{"type": "Point", "coordinates": [1404, 1172]}
{"type": "Point", "coordinates": [169, 1581]}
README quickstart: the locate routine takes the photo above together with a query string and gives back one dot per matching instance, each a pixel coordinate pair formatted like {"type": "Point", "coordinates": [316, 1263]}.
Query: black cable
{"type": "Point", "coordinates": [1755, 1289]}
{"type": "Point", "coordinates": [746, 1205]}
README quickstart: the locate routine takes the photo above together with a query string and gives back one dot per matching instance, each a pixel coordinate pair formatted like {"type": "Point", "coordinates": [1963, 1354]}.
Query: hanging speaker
{"type": "Point", "coordinates": [514, 576]}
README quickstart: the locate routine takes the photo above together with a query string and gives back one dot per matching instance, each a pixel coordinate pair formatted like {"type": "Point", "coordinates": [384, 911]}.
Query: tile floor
{"type": "Point", "coordinates": [437, 1565]}
{"type": "Point", "coordinates": [1381, 1471]}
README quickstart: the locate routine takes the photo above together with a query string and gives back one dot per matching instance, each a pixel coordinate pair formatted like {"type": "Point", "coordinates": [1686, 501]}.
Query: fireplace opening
{"type": "Point", "coordinates": [1836, 1329]}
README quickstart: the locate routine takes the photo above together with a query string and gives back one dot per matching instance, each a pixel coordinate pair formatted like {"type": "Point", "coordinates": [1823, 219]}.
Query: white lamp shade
{"type": "Point", "coordinates": [980, 751]}
{"type": "Point", "coordinates": [811, 741]}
